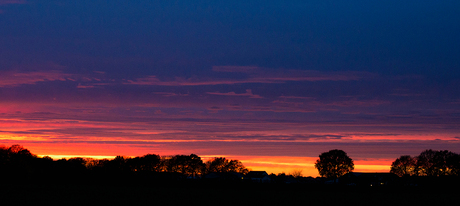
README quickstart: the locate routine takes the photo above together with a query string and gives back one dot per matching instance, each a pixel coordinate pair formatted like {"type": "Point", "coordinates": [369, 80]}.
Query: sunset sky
{"type": "Point", "coordinates": [271, 83]}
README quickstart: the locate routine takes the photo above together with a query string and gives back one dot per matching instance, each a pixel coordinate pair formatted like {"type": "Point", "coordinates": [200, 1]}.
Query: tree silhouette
{"type": "Point", "coordinates": [15, 148]}
{"type": "Point", "coordinates": [118, 164]}
{"type": "Point", "coordinates": [453, 163]}
{"type": "Point", "coordinates": [404, 166]}
{"type": "Point", "coordinates": [18, 162]}
{"type": "Point", "coordinates": [334, 164]}
{"type": "Point", "coordinates": [146, 163]}
{"type": "Point", "coordinates": [191, 165]}
{"type": "Point", "coordinates": [437, 163]}
{"type": "Point", "coordinates": [221, 164]}
{"type": "Point", "coordinates": [296, 173]}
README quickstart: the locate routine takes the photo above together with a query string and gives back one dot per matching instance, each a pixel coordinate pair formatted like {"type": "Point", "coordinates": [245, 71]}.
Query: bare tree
{"type": "Point", "coordinates": [296, 173]}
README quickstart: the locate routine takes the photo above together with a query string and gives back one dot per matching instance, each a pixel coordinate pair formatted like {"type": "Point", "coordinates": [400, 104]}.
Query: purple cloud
{"type": "Point", "coordinates": [5, 2]}
{"type": "Point", "coordinates": [237, 69]}
{"type": "Point", "coordinates": [247, 94]}
{"type": "Point", "coordinates": [255, 75]}
{"type": "Point", "coordinates": [12, 79]}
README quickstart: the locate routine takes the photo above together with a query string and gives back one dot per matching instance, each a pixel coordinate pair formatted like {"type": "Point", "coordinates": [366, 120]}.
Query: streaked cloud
{"type": "Point", "coordinates": [11, 79]}
{"type": "Point", "coordinates": [254, 75]}
{"type": "Point", "coordinates": [80, 86]}
{"type": "Point", "coordinates": [236, 69]}
{"type": "Point", "coordinates": [247, 94]}
{"type": "Point", "coordinates": [5, 2]}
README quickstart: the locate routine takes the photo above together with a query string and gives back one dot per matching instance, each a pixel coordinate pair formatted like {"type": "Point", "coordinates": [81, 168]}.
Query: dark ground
{"type": "Point", "coordinates": [217, 194]}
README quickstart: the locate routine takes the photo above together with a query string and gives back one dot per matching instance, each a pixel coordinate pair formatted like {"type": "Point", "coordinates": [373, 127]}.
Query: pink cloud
{"type": "Point", "coordinates": [296, 97]}
{"type": "Point", "coordinates": [351, 103]}
{"type": "Point", "coordinates": [48, 72]}
{"type": "Point", "coordinates": [153, 80]}
{"type": "Point", "coordinates": [307, 75]}
{"type": "Point", "coordinates": [262, 75]}
{"type": "Point", "coordinates": [31, 74]}
{"type": "Point", "coordinates": [4, 2]}
{"type": "Point", "coordinates": [170, 94]}
{"type": "Point", "coordinates": [256, 75]}
{"type": "Point", "coordinates": [293, 101]}
{"type": "Point", "coordinates": [239, 69]}
{"type": "Point", "coordinates": [79, 86]}
{"type": "Point", "coordinates": [11, 79]}
{"type": "Point", "coordinates": [248, 94]}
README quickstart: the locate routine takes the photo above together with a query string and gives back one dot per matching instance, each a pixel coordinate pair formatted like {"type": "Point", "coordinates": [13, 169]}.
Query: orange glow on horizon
{"type": "Point", "coordinates": [275, 165]}
{"type": "Point", "coordinates": [270, 164]}
{"type": "Point", "coordinates": [286, 164]}
{"type": "Point", "coordinates": [56, 157]}
{"type": "Point", "coordinates": [95, 147]}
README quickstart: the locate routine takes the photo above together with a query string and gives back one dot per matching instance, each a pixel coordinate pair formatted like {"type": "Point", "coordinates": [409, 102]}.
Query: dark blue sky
{"type": "Point", "coordinates": [274, 72]}
{"type": "Point", "coordinates": [186, 38]}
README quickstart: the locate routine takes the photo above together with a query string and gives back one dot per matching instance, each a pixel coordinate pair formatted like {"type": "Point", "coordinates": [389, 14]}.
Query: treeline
{"type": "Point", "coordinates": [432, 163]}
{"type": "Point", "coordinates": [18, 162]}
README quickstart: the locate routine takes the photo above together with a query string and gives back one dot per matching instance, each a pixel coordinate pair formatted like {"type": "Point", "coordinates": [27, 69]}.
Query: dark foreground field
{"type": "Point", "coordinates": [216, 194]}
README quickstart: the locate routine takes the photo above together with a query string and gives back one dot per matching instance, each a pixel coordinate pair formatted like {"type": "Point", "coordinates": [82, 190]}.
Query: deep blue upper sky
{"type": "Point", "coordinates": [189, 37]}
